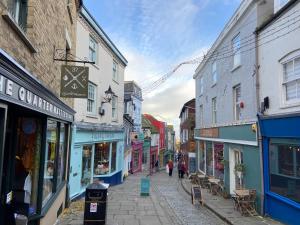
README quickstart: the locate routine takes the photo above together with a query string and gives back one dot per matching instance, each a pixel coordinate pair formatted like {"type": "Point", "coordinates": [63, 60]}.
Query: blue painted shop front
{"type": "Point", "coordinates": [281, 157]}
{"type": "Point", "coordinates": [95, 155]}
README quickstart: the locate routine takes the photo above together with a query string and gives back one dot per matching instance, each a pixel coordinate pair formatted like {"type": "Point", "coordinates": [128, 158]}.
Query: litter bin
{"type": "Point", "coordinates": [145, 186]}
{"type": "Point", "coordinates": [95, 204]}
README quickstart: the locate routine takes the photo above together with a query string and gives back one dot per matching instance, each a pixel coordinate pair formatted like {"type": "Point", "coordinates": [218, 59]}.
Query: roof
{"type": "Point", "coordinates": [187, 104]}
{"type": "Point", "coordinates": [93, 23]}
{"type": "Point", "coordinates": [286, 7]}
{"type": "Point", "coordinates": [131, 87]}
{"type": "Point", "coordinates": [147, 124]}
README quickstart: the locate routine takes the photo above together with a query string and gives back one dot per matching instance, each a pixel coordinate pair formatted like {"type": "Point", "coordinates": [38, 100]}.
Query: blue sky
{"type": "Point", "coordinates": [155, 36]}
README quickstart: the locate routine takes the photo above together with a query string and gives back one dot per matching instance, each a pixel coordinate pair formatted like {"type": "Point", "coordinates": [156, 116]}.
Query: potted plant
{"type": "Point", "coordinates": [239, 169]}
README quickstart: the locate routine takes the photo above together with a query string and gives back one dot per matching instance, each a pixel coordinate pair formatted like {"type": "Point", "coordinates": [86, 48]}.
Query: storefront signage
{"type": "Point", "coordinates": [74, 81]}
{"type": "Point", "coordinates": [209, 132]}
{"type": "Point", "coordinates": [16, 93]}
{"type": "Point", "coordinates": [98, 136]}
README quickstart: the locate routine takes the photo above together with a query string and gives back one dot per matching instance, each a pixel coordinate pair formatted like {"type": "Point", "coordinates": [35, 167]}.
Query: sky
{"type": "Point", "coordinates": [155, 36]}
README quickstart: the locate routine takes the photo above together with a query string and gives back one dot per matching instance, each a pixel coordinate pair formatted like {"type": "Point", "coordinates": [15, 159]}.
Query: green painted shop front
{"type": "Point", "coordinates": [220, 150]}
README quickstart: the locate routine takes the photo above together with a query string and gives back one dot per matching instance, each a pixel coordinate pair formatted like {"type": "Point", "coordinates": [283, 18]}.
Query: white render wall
{"type": "Point", "coordinates": [101, 75]}
{"type": "Point", "coordinates": [271, 57]}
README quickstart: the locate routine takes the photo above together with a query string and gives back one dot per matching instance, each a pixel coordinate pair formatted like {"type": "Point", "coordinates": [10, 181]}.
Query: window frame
{"type": "Point", "coordinates": [18, 9]}
{"type": "Point", "coordinates": [236, 104]}
{"type": "Point", "coordinates": [214, 73]}
{"type": "Point", "coordinates": [115, 71]}
{"type": "Point", "coordinates": [214, 110]}
{"type": "Point", "coordinates": [93, 49]}
{"type": "Point", "coordinates": [94, 101]}
{"type": "Point", "coordinates": [236, 49]}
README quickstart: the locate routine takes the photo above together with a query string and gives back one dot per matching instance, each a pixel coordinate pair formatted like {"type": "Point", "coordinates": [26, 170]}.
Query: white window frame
{"type": "Point", "coordinates": [201, 85]}
{"type": "Point", "coordinates": [278, 4]}
{"type": "Point", "coordinates": [114, 108]}
{"type": "Point", "coordinates": [115, 71]}
{"type": "Point", "coordinates": [93, 50]}
{"type": "Point", "coordinates": [214, 73]}
{"type": "Point", "coordinates": [236, 102]}
{"type": "Point", "coordinates": [214, 110]}
{"type": "Point", "coordinates": [236, 48]}
{"type": "Point", "coordinates": [92, 100]}
{"type": "Point", "coordinates": [295, 79]}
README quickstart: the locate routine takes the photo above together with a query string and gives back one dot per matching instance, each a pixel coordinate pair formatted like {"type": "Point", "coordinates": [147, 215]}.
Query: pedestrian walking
{"type": "Point", "coordinates": [156, 165]}
{"type": "Point", "coordinates": [170, 165]}
{"type": "Point", "coordinates": [183, 169]}
{"type": "Point", "coordinates": [179, 168]}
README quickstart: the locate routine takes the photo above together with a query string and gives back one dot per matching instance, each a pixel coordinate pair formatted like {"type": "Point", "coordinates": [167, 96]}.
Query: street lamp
{"type": "Point", "coordinates": [107, 99]}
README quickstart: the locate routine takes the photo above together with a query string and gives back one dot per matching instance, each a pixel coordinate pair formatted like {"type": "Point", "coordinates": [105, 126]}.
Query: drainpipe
{"type": "Point", "coordinates": [257, 87]}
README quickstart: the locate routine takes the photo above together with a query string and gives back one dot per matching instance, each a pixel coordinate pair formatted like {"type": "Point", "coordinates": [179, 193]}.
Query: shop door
{"type": "Point", "coordinates": [236, 181]}
{"type": "Point", "coordinates": [3, 113]}
{"type": "Point", "coordinates": [75, 171]}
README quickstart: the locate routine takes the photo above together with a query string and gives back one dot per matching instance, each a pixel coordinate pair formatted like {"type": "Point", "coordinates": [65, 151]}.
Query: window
{"type": "Point", "coordinates": [209, 159]}
{"type": "Point", "coordinates": [214, 110]}
{"type": "Point", "coordinates": [115, 71]}
{"type": "Point", "coordinates": [93, 50]}
{"type": "Point", "coordinates": [50, 154]}
{"type": "Point", "coordinates": [214, 72]}
{"type": "Point", "coordinates": [236, 101]}
{"type": "Point", "coordinates": [27, 162]}
{"type": "Point", "coordinates": [113, 157]}
{"type": "Point", "coordinates": [114, 104]}
{"type": "Point", "coordinates": [86, 174]}
{"type": "Point", "coordinates": [201, 156]}
{"type": "Point", "coordinates": [61, 154]}
{"type": "Point", "coordinates": [236, 46]}
{"type": "Point", "coordinates": [201, 115]}
{"type": "Point", "coordinates": [291, 79]}
{"type": "Point", "coordinates": [18, 10]}
{"type": "Point", "coordinates": [101, 158]}
{"type": "Point", "coordinates": [91, 101]}
{"type": "Point", "coordinates": [201, 86]}
{"type": "Point", "coordinates": [284, 160]}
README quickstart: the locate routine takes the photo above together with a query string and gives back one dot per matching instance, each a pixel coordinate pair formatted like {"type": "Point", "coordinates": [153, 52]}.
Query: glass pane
{"type": "Point", "coordinates": [86, 165]}
{"type": "Point", "coordinates": [209, 159]}
{"type": "Point", "coordinates": [288, 71]}
{"type": "Point", "coordinates": [50, 150]}
{"type": "Point", "coordinates": [219, 163]}
{"type": "Point", "coordinates": [202, 156]}
{"type": "Point", "coordinates": [101, 160]}
{"type": "Point", "coordinates": [61, 154]}
{"type": "Point", "coordinates": [27, 161]}
{"type": "Point", "coordinates": [284, 168]}
{"type": "Point", "coordinates": [297, 67]}
{"type": "Point", "coordinates": [113, 156]}
{"type": "Point", "coordinates": [291, 90]}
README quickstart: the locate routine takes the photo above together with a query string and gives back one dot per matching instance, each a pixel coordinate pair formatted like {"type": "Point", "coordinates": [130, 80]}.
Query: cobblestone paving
{"type": "Point", "coordinates": [167, 204]}
{"type": "Point", "coordinates": [180, 203]}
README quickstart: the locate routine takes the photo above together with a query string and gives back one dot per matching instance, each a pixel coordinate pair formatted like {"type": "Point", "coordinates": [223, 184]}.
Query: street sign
{"type": "Point", "coordinates": [74, 81]}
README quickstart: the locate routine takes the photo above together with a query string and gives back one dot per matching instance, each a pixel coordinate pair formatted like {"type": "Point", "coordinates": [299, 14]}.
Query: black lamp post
{"type": "Point", "coordinates": [107, 99]}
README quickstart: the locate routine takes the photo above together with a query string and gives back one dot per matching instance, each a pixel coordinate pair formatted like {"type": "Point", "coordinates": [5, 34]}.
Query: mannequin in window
{"type": "Point", "coordinates": [21, 188]}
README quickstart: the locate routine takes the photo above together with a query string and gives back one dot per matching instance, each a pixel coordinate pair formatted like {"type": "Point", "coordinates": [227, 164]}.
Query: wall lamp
{"type": "Point", "coordinates": [107, 99]}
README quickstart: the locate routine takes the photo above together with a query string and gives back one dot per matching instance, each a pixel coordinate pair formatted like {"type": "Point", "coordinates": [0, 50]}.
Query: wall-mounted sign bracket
{"type": "Point", "coordinates": [64, 56]}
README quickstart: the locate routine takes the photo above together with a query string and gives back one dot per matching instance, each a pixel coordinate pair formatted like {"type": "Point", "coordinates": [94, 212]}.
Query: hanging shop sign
{"type": "Point", "coordinates": [74, 81]}
{"type": "Point", "coordinates": [13, 92]}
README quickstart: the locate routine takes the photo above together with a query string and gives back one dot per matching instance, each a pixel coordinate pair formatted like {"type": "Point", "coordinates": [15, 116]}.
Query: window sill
{"type": "Point", "coordinates": [235, 68]}
{"type": "Point", "coordinates": [290, 105]}
{"type": "Point", "coordinates": [7, 17]}
{"type": "Point", "coordinates": [94, 116]}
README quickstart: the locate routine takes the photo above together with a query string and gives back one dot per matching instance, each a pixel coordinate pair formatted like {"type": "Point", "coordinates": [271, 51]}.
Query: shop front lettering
{"type": "Point", "coordinates": [19, 93]}
{"type": "Point", "coordinates": [103, 136]}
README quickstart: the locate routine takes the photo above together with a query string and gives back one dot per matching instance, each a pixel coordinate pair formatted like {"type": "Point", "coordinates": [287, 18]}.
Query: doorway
{"type": "Point", "coordinates": [235, 157]}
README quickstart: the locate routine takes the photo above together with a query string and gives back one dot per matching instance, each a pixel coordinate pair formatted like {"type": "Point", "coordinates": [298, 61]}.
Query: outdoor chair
{"type": "Point", "coordinates": [204, 183]}
{"type": "Point", "coordinates": [247, 204]}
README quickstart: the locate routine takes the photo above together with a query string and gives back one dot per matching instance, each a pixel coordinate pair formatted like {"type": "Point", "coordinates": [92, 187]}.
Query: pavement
{"type": "Point", "coordinates": [168, 204]}
{"type": "Point", "coordinates": [224, 208]}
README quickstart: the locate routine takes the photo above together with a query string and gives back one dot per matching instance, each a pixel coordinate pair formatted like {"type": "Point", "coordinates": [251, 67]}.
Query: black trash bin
{"type": "Point", "coordinates": [95, 204]}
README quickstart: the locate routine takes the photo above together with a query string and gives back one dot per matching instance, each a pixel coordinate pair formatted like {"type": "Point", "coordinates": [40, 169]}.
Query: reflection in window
{"type": "Point", "coordinates": [113, 156]}
{"type": "Point", "coordinates": [86, 165]}
{"type": "Point", "coordinates": [49, 160]}
{"type": "Point", "coordinates": [209, 159]}
{"type": "Point", "coordinates": [219, 163]}
{"type": "Point", "coordinates": [61, 154]}
{"type": "Point", "coordinates": [284, 158]}
{"type": "Point", "coordinates": [27, 161]}
{"type": "Point", "coordinates": [101, 160]}
{"type": "Point", "coordinates": [202, 156]}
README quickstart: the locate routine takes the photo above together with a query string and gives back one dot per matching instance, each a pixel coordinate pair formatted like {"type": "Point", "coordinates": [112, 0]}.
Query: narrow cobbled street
{"type": "Point", "coordinates": [167, 204]}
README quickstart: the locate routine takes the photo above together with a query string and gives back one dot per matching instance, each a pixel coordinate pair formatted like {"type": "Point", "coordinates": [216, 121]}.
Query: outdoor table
{"type": "Point", "coordinates": [244, 203]}
{"type": "Point", "coordinates": [242, 193]}
{"type": "Point", "coordinates": [201, 176]}
{"type": "Point", "coordinates": [214, 185]}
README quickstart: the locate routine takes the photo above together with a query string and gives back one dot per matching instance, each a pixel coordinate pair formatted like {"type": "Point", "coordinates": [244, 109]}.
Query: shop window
{"type": "Point", "coordinates": [27, 161]}
{"type": "Point", "coordinates": [101, 159]}
{"type": "Point", "coordinates": [61, 154]}
{"type": "Point", "coordinates": [219, 160]}
{"type": "Point", "coordinates": [284, 161]}
{"type": "Point", "coordinates": [201, 156]}
{"type": "Point", "coordinates": [50, 153]}
{"type": "Point", "coordinates": [86, 165]}
{"type": "Point", "coordinates": [113, 157]}
{"type": "Point", "coordinates": [18, 10]}
{"type": "Point", "coordinates": [209, 159]}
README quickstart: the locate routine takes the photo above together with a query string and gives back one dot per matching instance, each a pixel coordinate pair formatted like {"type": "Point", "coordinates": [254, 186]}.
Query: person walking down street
{"type": "Point", "coordinates": [156, 165]}
{"type": "Point", "coordinates": [183, 169]}
{"type": "Point", "coordinates": [179, 168]}
{"type": "Point", "coordinates": [170, 165]}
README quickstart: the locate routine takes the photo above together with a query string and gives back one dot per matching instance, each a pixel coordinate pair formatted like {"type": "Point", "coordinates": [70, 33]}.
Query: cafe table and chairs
{"type": "Point", "coordinates": [214, 185]}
